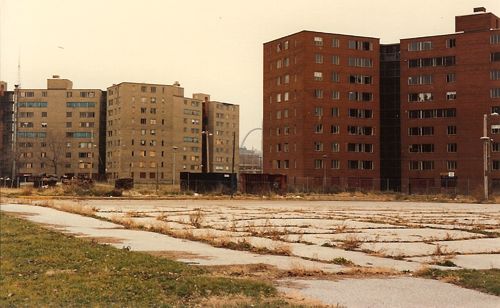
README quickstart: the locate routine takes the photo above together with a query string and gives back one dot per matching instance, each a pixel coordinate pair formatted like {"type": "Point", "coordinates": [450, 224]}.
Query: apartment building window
{"type": "Point", "coordinates": [422, 79]}
{"type": "Point", "coordinates": [32, 134]}
{"type": "Point", "coordinates": [278, 80]}
{"type": "Point", "coordinates": [44, 114]}
{"type": "Point", "coordinates": [318, 41]}
{"type": "Point", "coordinates": [335, 112]}
{"type": "Point", "coordinates": [152, 121]}
{"type": "Point", "coordinates": [495, 109]}
{"type": "Point", "coordinates": [495, 93]}
{"type": "Point", "coordinates": [360, 147]}
{"type": "Point", "coordinates": [336, 60]}
{"type": "Point", "coordinates": [318, 93]}
{"type": "Point", "coordinates": [286, 79]}
{"type": "Point", "coordinates": [286, 130]}
{"type": "Point", "coordinates": [360, 164]}
{"type": "Point", "coordinates": [286, 62]}
{"type": "Point", "coordinates": [451, 96]}
{"type": "Point", "coordinates": [335, 95]}
{"type": "Point", "coordinates": [437, 61]}
{"type": "Point", "coordinates": [420, 97]}
{"type": "Point", "coordinates": [318, 128]}
{"type": "Point", "coordinates": [421, 165]}
{"type": "Point", "coordinates": [360, 130]}
{"type": "Point", "coordinates": [360, 79]}
{"type": "Point", "coordinates": [360, 62]}
{"type": "Point", "coordinates": [69, 94]}
{"type": "Point", "coordinates": [495, 129]}
{"type": "Point", "coordinates": [495, 75]}
{"type": "Point", "coordinates": [278, 98]}
{"type": "Point", "coordinates": [451, 130]}
{"type": "Point", "coordinates": [495, 147]}
{"type": "Point", "coordinates": [318, 164]}
{"type": "Point", "coordinates": [335, 147]}
{"type": "Point", "coordinates": [78, 135]}
{"type": "Point", "coordinates": [26, 124]}
{"type": "Point", "coordinates": [451, 147]}
{"type": "Point", "coordinates": [421, 148]}
{"type": "Point", "coordinates": [285, 113]}
{"type": "Point", "coordinates": [87, 114]}
{"type": "Point", "coordinates": [318, 111]}
{"type": "Point", "coordinates": [495, 38]}
{"type": "Point", "coordinates": [360, 96]}
{"type": "Point", "coordinates": [335, 164]}
{"type": "Point", "coordinates": [87, 94]}
{"type": "Point", "coordinates": [286, 148]}
{"type": "Point", "coordinates": [143, 110]}
{"type": "Point", "coordinates": [318, 76]}
{"type": "Point", "coordinates": [334, 129]}
{"type": "Point", "coordinates": [360, 45]}
{"type": "Point", "coordinates": [451, 43]}
{"type": "Point", "coordinates": [360, 113]}
{"type": "Point", "coordinates": [318, 58]}
{"type": "Point", "coordinates": [451, 77]}
{"type": "Point", "coordinates": [318, 146]}
{"type": "Point", "coordinates": [26, 114]}
{"type": "Point", "coordinates": [279, 63]}
{"type": "Point", "coordinates": [432, 113]}
{"type": "Point", "coordinates": [335, 77]}
{"type": "Point", "coordinates": [495, 56]}
{"type": "Point", "coordinates": [335, 43]}
{"type": "Point", "coordinates": [278, 114]}
{"type": "Point", "coordinates": [80, 104]}
{"type": "Point", "coordinates": [419, 46]}
{"type": "Point", "coordinates": [451, 165]}
{"type": "Point", "coordinates": [33, 104]}
{"type": "Point", "coordinates": [421, 131]}
{"type": "Point", "coordinates": [495, 165]}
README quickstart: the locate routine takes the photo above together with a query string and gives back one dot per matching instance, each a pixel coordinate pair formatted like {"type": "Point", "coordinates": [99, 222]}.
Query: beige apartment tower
{"type": "Point", "coordinates": [153, 132]}
{"type": "Point", "coordinates": [220, 131]}
{"type": "Point", "coordinates": [57, 130]}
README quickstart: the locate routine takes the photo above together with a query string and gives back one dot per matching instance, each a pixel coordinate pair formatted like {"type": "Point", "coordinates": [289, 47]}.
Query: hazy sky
{"type": "Point", "coordinates": [211, 46]}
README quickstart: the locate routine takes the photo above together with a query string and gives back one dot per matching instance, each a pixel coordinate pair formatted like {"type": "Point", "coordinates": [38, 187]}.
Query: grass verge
{"type": "Point", "coordinates": [40, 267]}
{"type": "Point", "coordinates": [487, 281]}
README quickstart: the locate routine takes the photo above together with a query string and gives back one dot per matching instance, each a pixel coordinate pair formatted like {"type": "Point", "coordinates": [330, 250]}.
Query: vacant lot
{"type": "Point", "coordinates": [46, 268]}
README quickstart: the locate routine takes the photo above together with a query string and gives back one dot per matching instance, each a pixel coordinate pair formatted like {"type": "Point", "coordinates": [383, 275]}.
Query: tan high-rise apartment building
{"type": "Point", "coordinates": [220, 131]}
{"type": "Point", "coordinates": [153, 132]}
{"type": "Point", "coordinates": [58, 130]}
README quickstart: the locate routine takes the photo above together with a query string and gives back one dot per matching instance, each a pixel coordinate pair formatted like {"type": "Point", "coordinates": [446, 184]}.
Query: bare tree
{"type": "Point", "coordinates": [55, 151]}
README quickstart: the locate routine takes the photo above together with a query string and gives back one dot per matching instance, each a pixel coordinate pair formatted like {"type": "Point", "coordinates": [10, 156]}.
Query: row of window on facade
{"type": "Point", "coordinates": [334, 129]}
{"type": "Point", "coordinates": [319, 59]}
{"type": "Point", "coordinates": [449, 96]}
{"type": "Point", "coordinates": [429, 130]}
{"type": "Point", "coordinates": [81, 145]}
{"type": "Point", "coordinates": [80, 165]}
{"type": "Point", "coordinates": [335, 43]}
{"type": "Point", "coordinates": [44, 114]}
{"type": "Point", "coordinates": [22, 134]}
{"type": "Point", "coordinates": [322, 164]}
{"type": "Point", "coordinates": [68, 94]}
{"type": "Point", "coordinates": [449, 43]}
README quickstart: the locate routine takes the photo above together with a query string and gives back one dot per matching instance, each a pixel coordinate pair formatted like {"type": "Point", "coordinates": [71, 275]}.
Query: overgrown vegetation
{"type": "Point", "coordinates": [45, 268]}
{"type": "Point", "coordinates": [482, 280]}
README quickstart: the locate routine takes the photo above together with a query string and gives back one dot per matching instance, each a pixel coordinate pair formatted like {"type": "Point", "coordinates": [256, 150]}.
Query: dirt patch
{"type": "Point", "coordinates": [176, 255]}
{"type": "Point", "coordinates": [104, 239]}
{"type": "Point", "coordinates": [21, 214]}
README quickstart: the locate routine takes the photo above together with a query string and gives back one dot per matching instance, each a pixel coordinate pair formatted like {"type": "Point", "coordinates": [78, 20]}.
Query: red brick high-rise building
{"type": "Point", "coordinates": [344, 110]}
{"type": "Point", "coordinates": [321, 110]}
{"type": "Point", "coordinates": [448, 83]}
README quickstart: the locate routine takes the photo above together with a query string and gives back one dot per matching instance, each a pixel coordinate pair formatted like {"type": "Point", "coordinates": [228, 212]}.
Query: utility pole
{"type": "Point", "coordinates": [233, 178]}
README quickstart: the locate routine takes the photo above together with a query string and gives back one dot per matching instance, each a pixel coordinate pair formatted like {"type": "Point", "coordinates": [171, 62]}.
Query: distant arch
{"type": "Point", "coordinates": [246, 136]}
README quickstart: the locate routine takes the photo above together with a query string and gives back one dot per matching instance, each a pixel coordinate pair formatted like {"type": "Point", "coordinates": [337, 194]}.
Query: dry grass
{"type": "Point", "coordinates": [196, 218]}
{"type": "Point", "coordinates": [372, 271]}
{"type": "Point", "coordinates": [351, 242]}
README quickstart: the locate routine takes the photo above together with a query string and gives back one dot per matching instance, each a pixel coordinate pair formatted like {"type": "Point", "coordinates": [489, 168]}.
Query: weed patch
{"type": "Point", "coordinates": [487, 281]}
{"type": "Point", "coordinates": [46, 268]}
